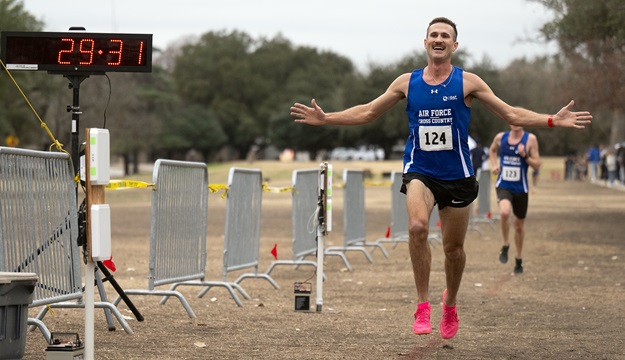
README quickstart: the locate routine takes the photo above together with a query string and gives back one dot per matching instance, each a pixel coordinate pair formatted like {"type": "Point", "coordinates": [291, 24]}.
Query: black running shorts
{"type": "Point", "coordinates": [455, 193]}
{"type": "Point", "coordinates": [519, 201]}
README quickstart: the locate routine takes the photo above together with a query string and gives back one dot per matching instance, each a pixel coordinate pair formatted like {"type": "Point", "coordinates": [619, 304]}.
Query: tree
{"type": "Point", "coordinates": [245, 83]}
{"type": "Point", "coordinates": [193, 127]}
{"type": "Point", "coordinates": [16, 117]}
{"type": "Point", "coordinates": [592, 38]}
{"type": "Point", "coordinates": [216, 73]}
{"type": "Point", "coordinates": [312, 74]}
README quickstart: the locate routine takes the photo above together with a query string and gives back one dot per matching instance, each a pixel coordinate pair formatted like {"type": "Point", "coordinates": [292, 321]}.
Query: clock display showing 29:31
{"type": "Point", "coordinates": [77, 52]}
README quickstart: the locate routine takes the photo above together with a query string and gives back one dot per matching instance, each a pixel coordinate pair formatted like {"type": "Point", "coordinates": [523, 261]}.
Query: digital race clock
{"type": "Point", "coordinates": [77, 52]}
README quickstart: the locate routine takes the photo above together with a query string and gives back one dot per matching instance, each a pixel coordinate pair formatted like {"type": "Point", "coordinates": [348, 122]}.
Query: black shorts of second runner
{"type": "Point", "coordinates": [455, 193]}
{"type": "Point", "coordinates": [519, 201]}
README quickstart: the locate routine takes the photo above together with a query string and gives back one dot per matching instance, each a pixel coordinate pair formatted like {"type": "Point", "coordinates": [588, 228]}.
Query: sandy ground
{"type": "Point", "coordinates": [568, 304]}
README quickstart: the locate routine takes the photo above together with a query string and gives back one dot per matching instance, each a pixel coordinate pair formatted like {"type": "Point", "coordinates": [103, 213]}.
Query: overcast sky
{"type": "Point", "coordinates": [364, 31]}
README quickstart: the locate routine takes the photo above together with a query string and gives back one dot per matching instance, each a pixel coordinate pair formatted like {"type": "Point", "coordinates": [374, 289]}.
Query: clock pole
{"type": "Point", "coordinates": [74, 85]}
{"type": "Point", "coordinates": [75, 81]}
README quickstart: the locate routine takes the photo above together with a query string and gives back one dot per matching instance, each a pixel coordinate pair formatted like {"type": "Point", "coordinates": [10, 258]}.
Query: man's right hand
{"type": "Point", "coordinates": [308, 115]}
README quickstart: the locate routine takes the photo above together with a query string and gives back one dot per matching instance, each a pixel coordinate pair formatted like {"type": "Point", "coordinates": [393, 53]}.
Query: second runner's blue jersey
{"type": "Point", "coordinates": [513, 168]}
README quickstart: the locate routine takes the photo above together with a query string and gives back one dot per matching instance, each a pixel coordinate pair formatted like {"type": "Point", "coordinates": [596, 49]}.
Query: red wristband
{"type": "Point", "coordinates": [550, 121]}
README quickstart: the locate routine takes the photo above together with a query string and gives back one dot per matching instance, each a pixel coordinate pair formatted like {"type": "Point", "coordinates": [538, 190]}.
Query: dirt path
{"type": "Point", "coordinates": [568, 304]}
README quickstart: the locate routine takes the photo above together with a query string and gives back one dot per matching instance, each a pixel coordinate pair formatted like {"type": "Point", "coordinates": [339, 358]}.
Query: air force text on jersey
{"type": "Point", "coordinates": [435, 116]}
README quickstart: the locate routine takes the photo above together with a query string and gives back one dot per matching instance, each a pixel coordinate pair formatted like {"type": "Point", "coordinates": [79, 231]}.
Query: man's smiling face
{"type": "Point", "coordinates": [440, 42]}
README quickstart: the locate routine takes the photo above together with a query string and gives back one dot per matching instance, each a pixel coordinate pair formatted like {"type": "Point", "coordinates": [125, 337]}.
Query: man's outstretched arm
{"type": "Point", "coordinates": [476, 88]}
{"type": "Point", "coordinates": [357, 115]}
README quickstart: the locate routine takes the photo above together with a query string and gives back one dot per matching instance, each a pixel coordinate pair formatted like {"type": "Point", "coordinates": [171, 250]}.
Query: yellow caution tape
{"type": "Point", "coordinates": [378, 183]}
{"type": "Point", "coordinates": [271, 189]}
{"type": "Point", "coordinates": [216, 187]}
{"type": "Point", "coordinates": [135, 184]}
{"type": "Point", "coordinates": [127, 184]}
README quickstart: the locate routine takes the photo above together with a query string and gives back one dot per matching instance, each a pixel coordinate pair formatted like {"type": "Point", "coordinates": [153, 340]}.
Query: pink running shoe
{"type": "Point", "coordinates": [422, 319]}
{"type": "Point", "coordinates": [449, 322]}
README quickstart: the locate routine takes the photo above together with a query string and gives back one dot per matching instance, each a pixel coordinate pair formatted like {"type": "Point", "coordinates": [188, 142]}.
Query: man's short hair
{"type": "Point", "coordinates": [443, 20]}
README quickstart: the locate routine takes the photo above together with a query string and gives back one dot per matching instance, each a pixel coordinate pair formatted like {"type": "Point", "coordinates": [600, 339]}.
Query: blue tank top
{"type": "Point", "coordinates": [439, 128]}
{"type": "Point", "coordinates": [513, 168]}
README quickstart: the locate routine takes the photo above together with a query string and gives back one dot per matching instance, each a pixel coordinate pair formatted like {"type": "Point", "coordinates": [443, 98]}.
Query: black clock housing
{"type": "Point", "coordinates": [76, 52]}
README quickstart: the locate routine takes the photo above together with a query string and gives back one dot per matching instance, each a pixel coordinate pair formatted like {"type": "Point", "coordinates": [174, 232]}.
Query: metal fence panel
{"type": "Point", "coordinates": [305, 188]}
{"type": "Point", "coordinates": [304, 219]}
{"type": "Point", "coordinates": [178, 222]}
{"type": "Point", "coordinates": [354, 229]}
{"type": "Point", "coordinates": [354, 226]}
{"type": "Point", "coordinates": [38, 222]}
{"type": "Point", "coordinates": [178, 225]}
{"type": "Point", "coordinates": [399, 215]}
{"type": "Point", "coordinates": [483, 204]}
{"type": "Point", "coordinates": [483, 198]}
{"type": "Point", "coordinates": [242, 235]}
{"type": "Point", "coordinates": [243, 214]}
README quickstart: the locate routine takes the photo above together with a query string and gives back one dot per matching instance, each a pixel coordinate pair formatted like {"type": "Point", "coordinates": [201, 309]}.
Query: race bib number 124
{"type": "Point", "coordinates": [435, 138]}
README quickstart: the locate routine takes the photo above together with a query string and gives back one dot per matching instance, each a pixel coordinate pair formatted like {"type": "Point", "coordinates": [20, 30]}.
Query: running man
{"type": "Point", "coordinates": [437, 165]}
{"type": "Point", "coordinates": [511, 155]}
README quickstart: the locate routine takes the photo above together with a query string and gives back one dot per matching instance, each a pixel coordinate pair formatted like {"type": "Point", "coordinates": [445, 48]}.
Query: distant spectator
{"type": "Point", "coordinates": [594, 157]}
{"type": "Point", "coordinates": [569, 167]}
{"type": "Point", "coordinates": [581, 168]}
{"type": "Point", "coordinates": [620, 161]}
{"type": "Point", "coordinates": [603, 169]}
{"type": "Point", "coordinates": [478, 157]}
{"type": "Point", "coordinates": [610, 164]}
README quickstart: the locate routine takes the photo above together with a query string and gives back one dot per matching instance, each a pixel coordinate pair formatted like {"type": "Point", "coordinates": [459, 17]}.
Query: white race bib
{"type": "Point", "coordinates": [435, 138]}
{"type": "Point", "coordinates": [511, 173]}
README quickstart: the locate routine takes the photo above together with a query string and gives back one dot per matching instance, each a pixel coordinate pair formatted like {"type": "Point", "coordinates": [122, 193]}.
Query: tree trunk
{"type": "Point", "coordinates": [126, 164]}
{"type": "Point", "coordinates": [617, 133]}
{"type": "Point", "coordinates": [135, 162]}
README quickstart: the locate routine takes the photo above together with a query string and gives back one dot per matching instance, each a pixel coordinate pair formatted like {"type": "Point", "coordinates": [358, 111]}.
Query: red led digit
{"type": "Point", "coordinates": [118, 52]}
{"type": "Point", "coordinates": [88, 51]}
{"type": "Point", "coordinates": [140, 53]}
{"type": "Point", "coordinates": [69, 51]}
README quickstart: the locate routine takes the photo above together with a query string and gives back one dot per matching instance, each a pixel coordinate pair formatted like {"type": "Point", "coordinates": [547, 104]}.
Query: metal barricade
{"type": "Point", "coordinates": [399, 216]}
{"type": "Point", "coordinates": [39, 229]}
{"type": "Point", "coordinates": [434, 232]}
{"type": "Point", "coordinates": [242, 228]}
{"type": "Point", "coordinates": [38, 218]}
{"type": "Point", "coordinates": [304, 206]}
{"type": "Point", "coordinates": [178, 231]}
{"type": "Point", "coordinates": [398, 230]}
{"type": "Point", "coordinates": [483, 215]}
{"type": "Point", "coordinates": [304, 219]}
{"type": "Point", "coordinates": [354, 225]}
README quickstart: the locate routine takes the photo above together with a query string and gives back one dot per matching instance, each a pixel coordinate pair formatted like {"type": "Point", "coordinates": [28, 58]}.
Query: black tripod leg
{"type": "Point", "coordinates": [108, 276]}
